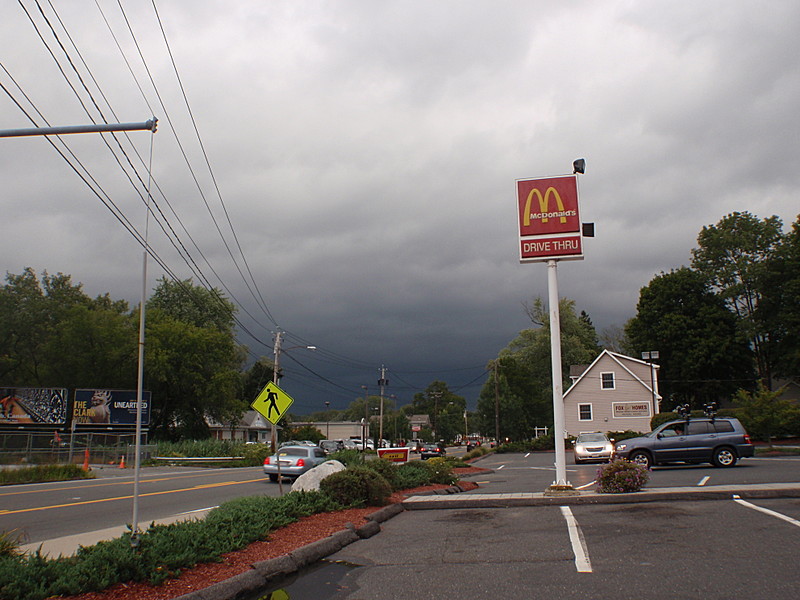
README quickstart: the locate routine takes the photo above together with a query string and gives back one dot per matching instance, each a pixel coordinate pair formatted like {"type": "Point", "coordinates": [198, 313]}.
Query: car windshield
{"type": "Point", "coordinates": [592, 437]}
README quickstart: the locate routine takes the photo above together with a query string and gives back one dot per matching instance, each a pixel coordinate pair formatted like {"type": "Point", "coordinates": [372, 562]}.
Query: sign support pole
{"type": "Point", "coordinates": [555, 361]}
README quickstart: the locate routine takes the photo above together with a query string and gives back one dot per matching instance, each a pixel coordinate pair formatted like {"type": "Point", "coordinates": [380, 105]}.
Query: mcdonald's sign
{"type": "Point", "coordinates": [549, 219]}
{"type": "Point", "coordinates": [548, 206]}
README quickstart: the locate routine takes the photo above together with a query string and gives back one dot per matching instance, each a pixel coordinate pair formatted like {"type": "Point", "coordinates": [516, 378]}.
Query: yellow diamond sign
{"type": "Point", "coordinates": [272, 402]}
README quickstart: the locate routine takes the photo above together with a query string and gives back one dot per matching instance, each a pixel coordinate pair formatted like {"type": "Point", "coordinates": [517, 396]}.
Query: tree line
{"type": "Point", "coordinates": [52, 334]}
{"type": "Point", "coordinates": [726, 329]}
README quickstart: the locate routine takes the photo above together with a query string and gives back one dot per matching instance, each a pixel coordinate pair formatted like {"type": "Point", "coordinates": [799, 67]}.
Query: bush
{"type": "Point", "coordinates": [413, 475]}
{"type": "Point", "coordinates": [386, 468]}
{"type": "Point", "coordinates": [254, 454]}
{"type": "Point", "coordinates": [349, 458]}
{"type": "Point", "coordinates": [441, 472]}
{"type": "Point", "coordinates": [543, 442]}
{"type": "Point", "coordinates": [357, 486]}
{"type": "Point", "coordinates": [162, 552]}
{"type": "Point", "coordinates": [41, 473]}
{"type": "Point", "coordinates": [477, 452]}
{"type": "Point", "coordinates": [621, 476]}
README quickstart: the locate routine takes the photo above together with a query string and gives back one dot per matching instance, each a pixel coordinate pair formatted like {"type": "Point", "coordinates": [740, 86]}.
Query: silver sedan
{"type": "Point", "coordinates": [293, 461]}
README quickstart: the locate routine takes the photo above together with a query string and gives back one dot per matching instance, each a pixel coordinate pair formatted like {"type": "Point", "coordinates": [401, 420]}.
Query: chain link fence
{"type": "Point", "coordinates": [38, 447]}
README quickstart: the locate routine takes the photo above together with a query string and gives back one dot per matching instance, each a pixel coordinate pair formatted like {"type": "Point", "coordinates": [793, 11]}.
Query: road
{"type": "Point", "coordinates": [46, 511]}
{"type": "Point", "coordinates": [57, 510]}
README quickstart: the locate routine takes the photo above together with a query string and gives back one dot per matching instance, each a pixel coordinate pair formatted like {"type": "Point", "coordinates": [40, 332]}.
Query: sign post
{"type": "Point", "coordinates": [549, 231]}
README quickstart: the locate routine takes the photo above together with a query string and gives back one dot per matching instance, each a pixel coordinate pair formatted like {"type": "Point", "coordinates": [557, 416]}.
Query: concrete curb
{"type": "Point", "coordinates": [265, 571]}
{"type": "Point", "coordinates": [721, 492]}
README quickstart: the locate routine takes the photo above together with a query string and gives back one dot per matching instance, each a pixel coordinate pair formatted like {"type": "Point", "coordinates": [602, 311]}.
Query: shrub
{"type": "Point", "coordinates": [10, 542]}
{"type": "Point", "coordinates": [254, 454]}
{"type": "Point", "coordinates": [41, 473]}
{"type": "Point", "coordinates": [413, 475]}
{"type": "Point", "coordinates": [543, 442]}
{"type": "Point", "coordinates": [162, 551]}
{"type": "Point", "coordinates": [349, 458]}
{"type": "Point", "coordinates": [477, 452]}
{"type": "Point", "coordinates": [357, 486]}
{"type": "Point", "coordinates": [621, 476]}
{"type": "Point", "coordinates": [441, 472]}
{"type": "Point", "coordinates": [385, 468]}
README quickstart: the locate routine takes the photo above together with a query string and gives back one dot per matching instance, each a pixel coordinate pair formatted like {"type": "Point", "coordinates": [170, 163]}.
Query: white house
{"type": "Point", "coordinates": [614, 393]}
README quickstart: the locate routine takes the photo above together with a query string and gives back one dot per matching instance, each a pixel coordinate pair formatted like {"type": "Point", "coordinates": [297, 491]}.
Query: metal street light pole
{"type": "Point", "coordinates": [151, 126]}
{"type": "Point", "coordinates": [328, 421]}
{"type": "Point", "coordinates": [366, 420]}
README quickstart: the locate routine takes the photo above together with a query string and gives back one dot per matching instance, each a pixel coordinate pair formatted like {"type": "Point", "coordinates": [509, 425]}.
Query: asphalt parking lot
{"type": "Point", "coordinates": [680, 547]}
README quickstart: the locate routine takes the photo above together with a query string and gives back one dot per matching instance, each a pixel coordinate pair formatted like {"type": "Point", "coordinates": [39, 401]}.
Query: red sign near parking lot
{"type": "Point", "coordinates": [549, 219]}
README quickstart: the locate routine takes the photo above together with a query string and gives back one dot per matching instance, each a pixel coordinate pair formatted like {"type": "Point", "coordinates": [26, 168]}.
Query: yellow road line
{"type": "Point", "coordinates": [98, 484]}
{"type": "Point", "coordinates": [83, 502]}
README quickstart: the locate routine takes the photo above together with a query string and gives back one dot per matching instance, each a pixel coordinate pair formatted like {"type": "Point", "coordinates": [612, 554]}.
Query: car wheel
{"type": "Point", "coordinates": [724, 457]}
{"type": "Point", "coordinates": [578, 461]}
{"type": "Point", "coordinates": [642, 458]}
{"type": "Point", "coordinates": [273, 477]}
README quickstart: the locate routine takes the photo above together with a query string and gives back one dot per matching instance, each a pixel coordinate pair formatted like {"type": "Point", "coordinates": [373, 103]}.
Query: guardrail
{"type": "Point", "coordinates": [196, 458]}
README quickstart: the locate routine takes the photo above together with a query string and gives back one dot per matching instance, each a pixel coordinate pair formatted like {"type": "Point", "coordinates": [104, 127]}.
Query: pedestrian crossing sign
{"type": "Point", "coordinates": [272, 402]}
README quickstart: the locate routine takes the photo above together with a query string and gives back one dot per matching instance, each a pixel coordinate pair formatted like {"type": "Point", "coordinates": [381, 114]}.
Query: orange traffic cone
{"type": "Point", "coordinates": [122, 463]}
{"type": "Point", "coordinates": [86, 460]}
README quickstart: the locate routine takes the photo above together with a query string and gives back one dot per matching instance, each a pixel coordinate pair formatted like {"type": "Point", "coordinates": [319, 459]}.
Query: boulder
{"type": "Point", "coordinates": [309, 481]}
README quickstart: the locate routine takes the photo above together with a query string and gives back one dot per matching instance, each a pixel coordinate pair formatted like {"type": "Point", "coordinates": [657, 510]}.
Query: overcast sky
{"type": "Point", "coordinates": [366, 153]}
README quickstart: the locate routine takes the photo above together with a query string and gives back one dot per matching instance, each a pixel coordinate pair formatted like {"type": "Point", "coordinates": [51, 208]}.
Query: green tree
{"type": "Point", "coordinates": [259, 374]}
{"type": "Point", "coordinates": [733, 255]}
{"type": "Point", "coordinates": [32, 311]}
{"type": "Point", "coordinates": [306, 432]}
{"type": "Point", "coordinates": [765, 414]}
{"type": "Point", "coordinates": [524, 373]}
{"type": "Point", "coordinates": [701, 357]}
{"type": "Point", "coordinates": [779, 309]}
{"type": "Point", "coordinates": [192, 367]}
{"type": "Point", "coordinates": [444, 409]}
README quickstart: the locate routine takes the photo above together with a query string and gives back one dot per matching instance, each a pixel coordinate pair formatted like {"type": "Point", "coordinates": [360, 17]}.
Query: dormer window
{"type": "Point", "coordinates": [607, 381]}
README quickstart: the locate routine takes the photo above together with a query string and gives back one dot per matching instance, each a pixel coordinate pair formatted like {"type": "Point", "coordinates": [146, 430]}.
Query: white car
{"type": "Point", "coordinates": [593, 446]}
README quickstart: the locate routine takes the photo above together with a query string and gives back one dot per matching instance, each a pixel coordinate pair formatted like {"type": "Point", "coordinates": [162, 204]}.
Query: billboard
{"type": "Point", "coordinates": [37, 406]}
{"type": "Point", "coordinates": [549, 219]}
{"type": "Point", "coordinates": [109, 407]}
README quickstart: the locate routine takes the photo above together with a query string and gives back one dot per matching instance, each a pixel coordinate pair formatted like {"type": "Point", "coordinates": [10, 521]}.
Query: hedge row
{"type": "Point", "coordinates": [164, 550]}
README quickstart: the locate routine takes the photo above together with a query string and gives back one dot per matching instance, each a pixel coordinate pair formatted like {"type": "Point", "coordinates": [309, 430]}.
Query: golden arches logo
{"type": "Point", "coordinates": [544, 204]}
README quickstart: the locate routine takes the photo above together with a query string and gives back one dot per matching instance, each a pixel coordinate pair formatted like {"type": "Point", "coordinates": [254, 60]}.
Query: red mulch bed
{"type": "Point", "coordinates": [281, 541]}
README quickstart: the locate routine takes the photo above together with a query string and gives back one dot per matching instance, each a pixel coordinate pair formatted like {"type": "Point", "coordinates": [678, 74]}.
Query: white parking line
{"type": "Point", "coordinates": [704, 480]}
{"type": "Point", "coordinates": [527, 455]}
{"type": "Point", "coordinates": [582, 563]}
{"type": "Point", "coordinates": [766, 511]}
{"type": "Point", "coordinates": [500, 467]}
{"type": "Point", "coordinates": [580, 487]}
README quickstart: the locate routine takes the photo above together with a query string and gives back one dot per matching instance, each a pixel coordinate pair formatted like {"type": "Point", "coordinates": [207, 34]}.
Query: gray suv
{"type": "Point", "coordinates": [721, 441]}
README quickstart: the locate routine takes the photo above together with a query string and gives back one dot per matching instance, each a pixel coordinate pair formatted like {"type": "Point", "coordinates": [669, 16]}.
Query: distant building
{"type": "Point", "coordinates": [252, 427]}
{"type": "Point", "coordinates": [614, 393]}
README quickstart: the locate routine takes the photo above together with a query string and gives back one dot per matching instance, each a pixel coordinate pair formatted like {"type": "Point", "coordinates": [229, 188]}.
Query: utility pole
{"type": "Point", "coordinates": [436, 396]}
{"type": "Point", "coordinates": [382, 382]}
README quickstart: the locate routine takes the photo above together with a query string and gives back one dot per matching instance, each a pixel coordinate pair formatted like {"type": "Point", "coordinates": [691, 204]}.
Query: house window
{"type": "Point", "coordinates": [584, 412]}
{"type": "Point", "coordinates": [607, 381]}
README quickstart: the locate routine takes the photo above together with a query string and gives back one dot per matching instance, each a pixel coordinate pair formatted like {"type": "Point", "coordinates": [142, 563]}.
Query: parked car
{"type": "Point", "coordinates": [351, 444]}
{"type": "Point", "coordinates": [593, 447]}
{"type": "Point", "coordinates": [722, 441]}
{"type": "Point", "coordinates": [293, 461]}
{"type": "Point", "coordinates": [431, 451]}
{"type": "Point", "coordinates": [332, 445]}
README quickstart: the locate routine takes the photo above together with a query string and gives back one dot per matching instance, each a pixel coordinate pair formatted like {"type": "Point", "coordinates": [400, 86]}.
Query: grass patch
{"type": "Point", "coordinates": [42, 473]}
